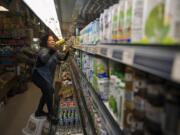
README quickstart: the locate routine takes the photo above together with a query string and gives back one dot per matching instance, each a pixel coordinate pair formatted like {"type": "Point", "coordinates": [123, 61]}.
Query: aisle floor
{"type": "Point", "coordinates": [17, 111]}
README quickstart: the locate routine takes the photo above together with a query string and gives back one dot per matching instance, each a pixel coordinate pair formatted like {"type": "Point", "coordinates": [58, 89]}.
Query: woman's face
{"type": "Point", "coordinates": [51, 42]}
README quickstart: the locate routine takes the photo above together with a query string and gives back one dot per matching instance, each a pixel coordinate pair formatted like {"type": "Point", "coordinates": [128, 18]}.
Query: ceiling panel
{"type": "Point", "coordinates": [79, 13]}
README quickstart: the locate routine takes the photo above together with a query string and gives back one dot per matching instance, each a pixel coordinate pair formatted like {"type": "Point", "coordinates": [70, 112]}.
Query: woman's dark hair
{"type": "Point", "coordinates": [44, 39]}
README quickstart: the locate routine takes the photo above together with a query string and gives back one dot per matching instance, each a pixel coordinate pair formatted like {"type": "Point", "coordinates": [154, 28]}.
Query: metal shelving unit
{"type": "Point", "coordinates": [109, 122]}
{"type": "Point", "coordinates": [87, 119]}
{"type": "Point", "coordinates": [163, 61]}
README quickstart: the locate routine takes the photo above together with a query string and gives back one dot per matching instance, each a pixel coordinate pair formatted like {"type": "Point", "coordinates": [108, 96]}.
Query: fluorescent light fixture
{"type": "Point", "coordinates": [46, 11]}
{"type": "Point", "coordinates": [3, 9]}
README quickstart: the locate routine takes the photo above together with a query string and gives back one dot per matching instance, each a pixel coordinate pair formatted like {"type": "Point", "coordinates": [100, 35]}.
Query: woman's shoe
{"type": "Point", "coordinates": [41, 114]}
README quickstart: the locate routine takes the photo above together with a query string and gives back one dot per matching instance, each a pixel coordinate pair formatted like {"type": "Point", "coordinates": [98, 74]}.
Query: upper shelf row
{"type": "Point", "coordinates": [163, 61]}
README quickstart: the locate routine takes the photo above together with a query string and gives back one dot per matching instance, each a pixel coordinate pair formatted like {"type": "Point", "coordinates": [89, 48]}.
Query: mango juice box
{"type": "Point", "coordinates": [172, 21]}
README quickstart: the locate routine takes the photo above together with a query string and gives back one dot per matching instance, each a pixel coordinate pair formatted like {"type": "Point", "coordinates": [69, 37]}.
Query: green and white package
{"type": "Point", "coordinates": [101, 66]}
{"type": "Point", "coordinates": [154, 29]}
{"type": "Point", "coordinates": [172, 21]}
{"type": "Point", "coordinates": [116, 91]}
{"type": "Point", "coordinates": [100, 70]}
{"type": "Point", "coordinates": [151, 28]}
{"type": "Point", "coordinates": [128, 20]}
{"type": "Point", "coordinates": [103, 87]}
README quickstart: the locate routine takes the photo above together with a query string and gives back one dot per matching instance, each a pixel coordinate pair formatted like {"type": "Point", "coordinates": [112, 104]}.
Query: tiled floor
{"type": "Point", "coordinates": [17, 111]}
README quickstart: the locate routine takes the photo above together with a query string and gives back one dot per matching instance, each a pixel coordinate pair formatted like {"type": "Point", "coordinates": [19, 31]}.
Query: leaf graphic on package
{"type": "Point", "coordinates": [154, 27]}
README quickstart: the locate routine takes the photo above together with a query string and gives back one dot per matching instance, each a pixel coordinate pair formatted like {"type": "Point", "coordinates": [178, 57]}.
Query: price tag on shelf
{"type": "Point", "coordinates": [104, 51]}
{"type": "Point", "coordinates": [109, 54]}
{"type": "Point", "coordinates": [175, 74]}
{"type": "Point", "coordinates": [92, 50]}
{"type": "Point", "coordinates": [83, 48]}
{"type": "Point", "coordinates": [117, 54]}
{"type": "Point", "coordinates": [80, 47]}
{"type": "Point", "coordinates": [98, 50]}
{"type": "Point", "coordinates": [128, 56]}
{"type": "Point", "coordinates": [86, 49]}
{"type": "Point", "coordinates": [89, 50]}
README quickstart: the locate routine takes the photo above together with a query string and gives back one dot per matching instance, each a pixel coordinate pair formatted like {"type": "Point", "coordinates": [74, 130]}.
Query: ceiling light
{"type": "Point", "coordinates": [3, 9]}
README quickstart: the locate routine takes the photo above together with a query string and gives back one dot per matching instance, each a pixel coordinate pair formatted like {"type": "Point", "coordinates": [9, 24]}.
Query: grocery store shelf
{"type": "Point", "coordinates": [90, 129]}
{"type": "Point", "coordinates": [110, 123]}
{"type": "Point", "coordinates": [154, 59]}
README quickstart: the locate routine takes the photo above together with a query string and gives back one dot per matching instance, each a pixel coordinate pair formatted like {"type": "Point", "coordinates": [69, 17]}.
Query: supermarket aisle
{"type": "Point", "coordinates": [18, 110]}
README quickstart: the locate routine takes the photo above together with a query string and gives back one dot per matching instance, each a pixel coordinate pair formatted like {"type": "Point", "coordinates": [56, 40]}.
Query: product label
{"type": "Point", "coordinates": [128, 56]}
{"type": "Point", "coordinates": [129, 96]}
{"type": "Point", "coordinates": [139, 103]}
{"type": "Point", "coordinates": [128, 77]}
{"type": "Point", "coordinates": [139, 85]}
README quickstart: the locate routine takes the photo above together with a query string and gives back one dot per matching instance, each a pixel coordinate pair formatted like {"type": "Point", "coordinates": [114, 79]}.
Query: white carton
{"type": "Point", "coordinates": [114, 16]}
{"type": "Point", "coordinates": [101, 26]}
{"type": "Point", "coordinates": [103, 87]}
{"type": "Point", "coordinates": [147, 21]}
{"type": "Point", "coordinates": [109, 29]}
{"type": "Point", "coordinates": [137, 20]}
{"type": "Point", "coordinates": [120, 20]}
{"type": "Point", "coordinates": [128, 20]}
{"type": "Point", "coordinates": [172, 21]}
{"type": "Point", "coordinates": [105, 25]}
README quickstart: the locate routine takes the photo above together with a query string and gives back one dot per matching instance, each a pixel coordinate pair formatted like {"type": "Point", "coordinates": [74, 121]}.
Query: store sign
{"type": "Point", "coordinates": [46, 11]}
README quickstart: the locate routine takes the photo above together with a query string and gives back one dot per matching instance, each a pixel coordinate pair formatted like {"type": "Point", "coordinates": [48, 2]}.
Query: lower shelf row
{"type": "Point", "coordinates": [140, 103]}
